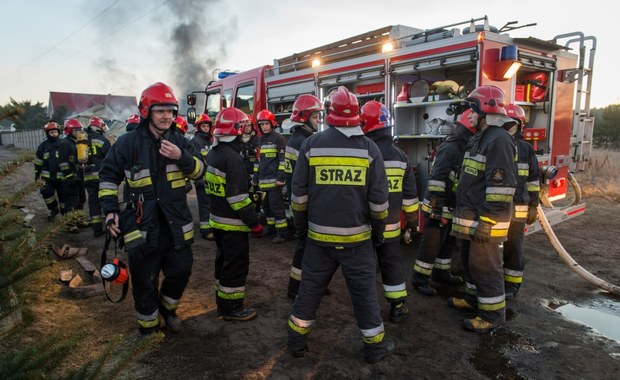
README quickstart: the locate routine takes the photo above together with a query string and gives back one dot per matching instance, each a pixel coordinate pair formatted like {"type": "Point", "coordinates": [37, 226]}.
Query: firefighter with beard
{"type": "Point", "coordinates": [47, 168]}
{"type": "Point", "coordinates": [434, 257]}
{"type": "Point", "coordinates": [232, 214]}
{"type": "Point", "coordinates": [156, 226]}
{"type": "Point", "coordinates": [526, 201]}
{"type": "Point", "coordinates": [340, 202]}
{"type": "Point", "coordinates": [403, 195]}
{"type": "Point", "coordinates": [484, 208]}
{"type": "Point", "coordinates": [202, 144]}
{"type": "Point", "coordinates": [99, 146]}
{"type": "Point", "coordinates": [305, 118]}
{"type": "Point", "coordinates": [72, 175]}
{"type": "Point", "coordinates": [269, 174]}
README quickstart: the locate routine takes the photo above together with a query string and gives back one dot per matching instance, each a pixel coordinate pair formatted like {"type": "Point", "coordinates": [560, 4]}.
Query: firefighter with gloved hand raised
{"type": "Point", "coordinates": [377, 125]}
{"type": "Point", "coordinates": [526, 201]}
{"type": "Point", "coordinates": [340, 202]}
{"type": "Point", "coordinates": [156, 226]}
{"type": "Point", "coordinates": [484, 208]}
{"type": "Point", "coordinates": [47, 168]}
{"type": "Point", "coordinates": [305, 118]}
{"type": "Point", "coordinates": [202, 144]}
{"type": "Point", "coordinates": [232, 214]}
{"type": "Point", "coordinates": [434, 257]}
{"type": "Point", "coordinates": [99, 146]}
{"type": "Point", "coordinates": [269, 174]}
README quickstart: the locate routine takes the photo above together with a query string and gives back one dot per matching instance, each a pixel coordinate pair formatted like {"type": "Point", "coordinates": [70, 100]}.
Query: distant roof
{"type": "Point", "coordinates": [77, 103]}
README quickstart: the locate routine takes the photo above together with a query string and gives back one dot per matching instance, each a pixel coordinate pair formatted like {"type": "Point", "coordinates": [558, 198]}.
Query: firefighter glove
{"type": "Point", "coordinates": [532, 213]}
{"type": "Point", "coordinates": [257, 231]}
{"type": "Point", "coordinates": [436, 213]}
{"type": "Point", "coordinates": [482, 234]}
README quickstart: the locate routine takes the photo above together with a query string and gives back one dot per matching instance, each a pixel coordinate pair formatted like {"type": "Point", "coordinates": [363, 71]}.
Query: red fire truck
{"type": "Point", "coordinates": [419, 73]}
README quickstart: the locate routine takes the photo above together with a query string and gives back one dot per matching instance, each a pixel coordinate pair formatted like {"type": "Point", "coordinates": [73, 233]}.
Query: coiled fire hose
{"type": "Point", "coordinates": [568, 260]}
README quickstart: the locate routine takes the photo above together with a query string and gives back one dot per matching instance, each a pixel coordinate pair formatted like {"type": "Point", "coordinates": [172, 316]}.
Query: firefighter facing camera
{"type": "Point", "coordinates": [156, 225]}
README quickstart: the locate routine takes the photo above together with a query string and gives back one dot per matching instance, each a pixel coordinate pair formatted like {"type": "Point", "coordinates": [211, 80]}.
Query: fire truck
{"type": "Point", "coordinates": [422, 74]}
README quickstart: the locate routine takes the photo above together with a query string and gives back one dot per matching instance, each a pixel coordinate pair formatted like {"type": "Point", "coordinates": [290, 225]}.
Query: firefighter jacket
{"type": "Point", "coordinates": [71, 169]}
{"type": "Point", "coordinates": [445, 171]}
{"type": "Point", "coordinates": [528, 181]}
{"type": "Point", "coordinates": [403, 193]}
{"type": "Point", "coordinates": [47, 160]}
{"type": "Point", "coordinates": [227, 184]}
{"type": "Point", "coordinates": [250, 151]}
{"type": "Point", "coordinates": [340, 189]}
{"type": "Point", "coordinates": [487, 184]}
{"type": "Point", "coordinates": [98, 147]}
{"type": "Point", "coordinates": [201, 145]}
{"type": "Point", "coordinates": [270, 165]}
{"type": "Point", "coordinates": [300, 133]}
{"type": "Point", "coordinates": [156, 186]}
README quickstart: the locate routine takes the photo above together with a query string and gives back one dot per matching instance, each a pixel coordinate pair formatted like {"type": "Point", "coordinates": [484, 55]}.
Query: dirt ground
{"type": "Point", "coordinates": [537, 342]}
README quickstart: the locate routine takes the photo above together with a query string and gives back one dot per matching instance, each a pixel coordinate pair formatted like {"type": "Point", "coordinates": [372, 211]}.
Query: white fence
{"type": "Point", "coordinates": [28, 140]}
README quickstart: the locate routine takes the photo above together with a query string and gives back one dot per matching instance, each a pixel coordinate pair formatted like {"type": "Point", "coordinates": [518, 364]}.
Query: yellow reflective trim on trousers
{"type": "Point", "coordinates": [131, 236]}
{"type": "Point", "coordinates": [391, 234]}
{"type": "Point", "coordinates": [492, 306]}
{"type": "Point", "coordinates": [437, 189]}
{"type": "Point", "coordinates": [379, 215]}
{"type": "Point", "coordinates": [108, 192]}
{"type": "Point", "coordinates": [523, 172]}
{"type": "Point", "coordinates": [228, 227]}
{"type": "Point", "coordinates": [520, 214]}
{"type": "Point", "coordinates": [412, 208]}
{"type": "Point", "coordinates": [282, 225]}
{"type": "Point", "coordinates": [267, 185]}
{"type": "Point", "coordinates": [489, 220]}
{"type": "Point", "coordinates": [498, 198]}
{"type": "Point", "coordinates": [299, 206]}
{"type": "Point", "coordinates": [343, 161]}
{"type": "Point", "coordinates": [241, 204]}
{"type": "Point", "coordinates": [533, 188]}
{"type": "Point", "coordinates": [340, 175]}
{"type": "Point", "coordinates": [189, 235]}
{"type": "Point", "coordinates": [139, 183]}
{"type": "Point", "coordinates": [91, 177]}
{"type": "Point", "coordinates": [513, 279]}
{"type": "Point", "coordinates": [395, 295]}
{"type": "Point", "coordinates": [339, 238]}
{"type": "Point", "coordinates": [149, 324]}
{"type": "Point", "coordinates": [298, 329]}
{"type": "Point", "coordinates": [375, 339]}
{"type": "Point", "coordinates": [419, 269]}
{"type": "Point", "coordinates": [231, 296]}
{"type": "Point", "coordinates": [499, 233]}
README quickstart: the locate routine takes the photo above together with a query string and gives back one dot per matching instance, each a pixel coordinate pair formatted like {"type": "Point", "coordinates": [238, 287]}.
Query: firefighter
{"type": "Point", "coordinates": [181, 124]}
{"type": "Point", "coordinates": [132, 122]}
{"type": "Point", "coordinates": [484, 208]}
{"type": "Point", "coordinates": [526, 201]}
{"type": "Point", "coordinates": [47, 168]}
{"type": "Point", "coordinates": [232, 214]}
{"type": "Point", "coordinates": [305, 118]}
{"type": "Point", "coordinates": [156, 226]}
{"type": "Point", "coordinates": [403, 195]}
{"type": "Point", "coordinates": [99, 146]}
{"type": "Point", "coordinates": [269, 174]}
{"type": "Point", "coordinates": [434, 257]}
{"type": "Point", "coordinates": [251, 143]}
{"type": "Point", "coordinates": [74, 194]}
{"type": "Point", "coordinates": [202, 144]}
{"type": "Point", "coordinates": [340, 202]}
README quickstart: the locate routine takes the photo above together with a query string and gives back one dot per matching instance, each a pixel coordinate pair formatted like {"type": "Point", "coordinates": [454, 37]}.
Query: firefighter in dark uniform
{"type": "Point", "coordinates": [251, 143]}
{"type": "Point", "coordinates": [47, 168]}
{"type": "Point", "coordinates": [305, 118]}
{"type": "Point", "coordinates": [526, 201]}
{"type": "Point", "coordinates": [340, 201]}
{"type": "Point", "coordinates": [434, 257]}
{"type": "Point", "coordinates": [98, 148]}
{"type": "Point", "coordinates": [403, 195]}
{"type": "Point", "coordinates": [156, 226]}
{"type": "Point", "coordinates": [232, 214]}
{"type": "Point", "coordinates": [202, 144]}
{"type": "Point", "coordinates": [132, 123]}
{"type": "Point", "coordinates": [484, 208]}
{"type": "Point", "coordinates": [73, 190]}
{"type": "Point", "coordinates": [270, 176]}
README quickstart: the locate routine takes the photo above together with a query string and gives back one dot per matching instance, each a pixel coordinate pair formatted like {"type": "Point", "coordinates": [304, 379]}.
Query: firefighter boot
{"type": "Point", "coordinates": [460, 304]}
{"type": "Point", "coordinates": [170, 319]}
{"type": "Point", "coordinates": [374, 352]}
{"type": "Point", "coordinates": [511, 290]}
{"type": "Point", "coordinates": [480, 325]}
{"type": "Point", "coordinates": [232, 310]}
{"type": "Point", "coordinates": [296, 344]}
{"type": "Point", "coordinates": [445, 277]}
{"type": "Point", "coordinates": [421, 284]}
{"type": "Point", "coordinates": [207, 234]}
{"type": "Point", "coordinates": [280, 236]}
{"type": "Point", "coordinates": [52, 214]}
{"type": "Point", "coordinates": [398, 312]}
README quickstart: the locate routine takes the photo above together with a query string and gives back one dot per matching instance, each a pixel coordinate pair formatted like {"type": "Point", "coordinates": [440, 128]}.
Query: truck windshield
{"type": "Point", "coordinates": [214, 100]}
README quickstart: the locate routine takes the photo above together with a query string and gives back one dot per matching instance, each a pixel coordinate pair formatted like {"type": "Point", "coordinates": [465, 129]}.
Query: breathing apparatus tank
{"type": "Point", "coordinates": [82, 146]}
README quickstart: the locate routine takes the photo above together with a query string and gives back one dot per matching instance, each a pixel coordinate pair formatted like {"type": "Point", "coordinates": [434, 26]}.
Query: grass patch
{"type": "Point", "coordinates": [601, 179]}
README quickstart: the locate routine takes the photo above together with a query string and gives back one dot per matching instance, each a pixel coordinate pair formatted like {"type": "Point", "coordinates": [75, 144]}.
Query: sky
{"type": "Point", "coordinates": [120, 47]}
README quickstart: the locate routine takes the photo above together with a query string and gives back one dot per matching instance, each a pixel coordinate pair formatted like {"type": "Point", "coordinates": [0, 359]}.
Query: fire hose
{"type": "Point", "coordinates": [568, 260]}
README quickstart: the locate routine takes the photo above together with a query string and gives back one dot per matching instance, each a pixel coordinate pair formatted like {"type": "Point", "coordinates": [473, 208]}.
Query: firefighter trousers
{"type": "Point", "coordinates": [484, 279]}
{"type": "Point", "coordinates": [390, 264]}
{"type": "Point", "coordinates": [52, 195]}
{"type": "Point", "coordinates": [232, 263]}
{"type": "Point", "coordinates": [514, 261]}
{"type": "Point", "coordinates": [435, 251]}
{"type": "Point", "coordinates": [204, 205]}
{"type": "Point", "coordinates": [295, 275]}
{"type": "Point", "coordinates": [273, 205]}
{"type": "Point", "coordinates": [146, 263]}
{"type": "Point", "coordinates": [359, 270]}
{"type": "Point", "coordinates": [94, 208]}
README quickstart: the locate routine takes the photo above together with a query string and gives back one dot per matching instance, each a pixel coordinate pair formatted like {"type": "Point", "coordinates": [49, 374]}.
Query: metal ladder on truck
{"type": "Point", "coordinates": [583, 121]}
